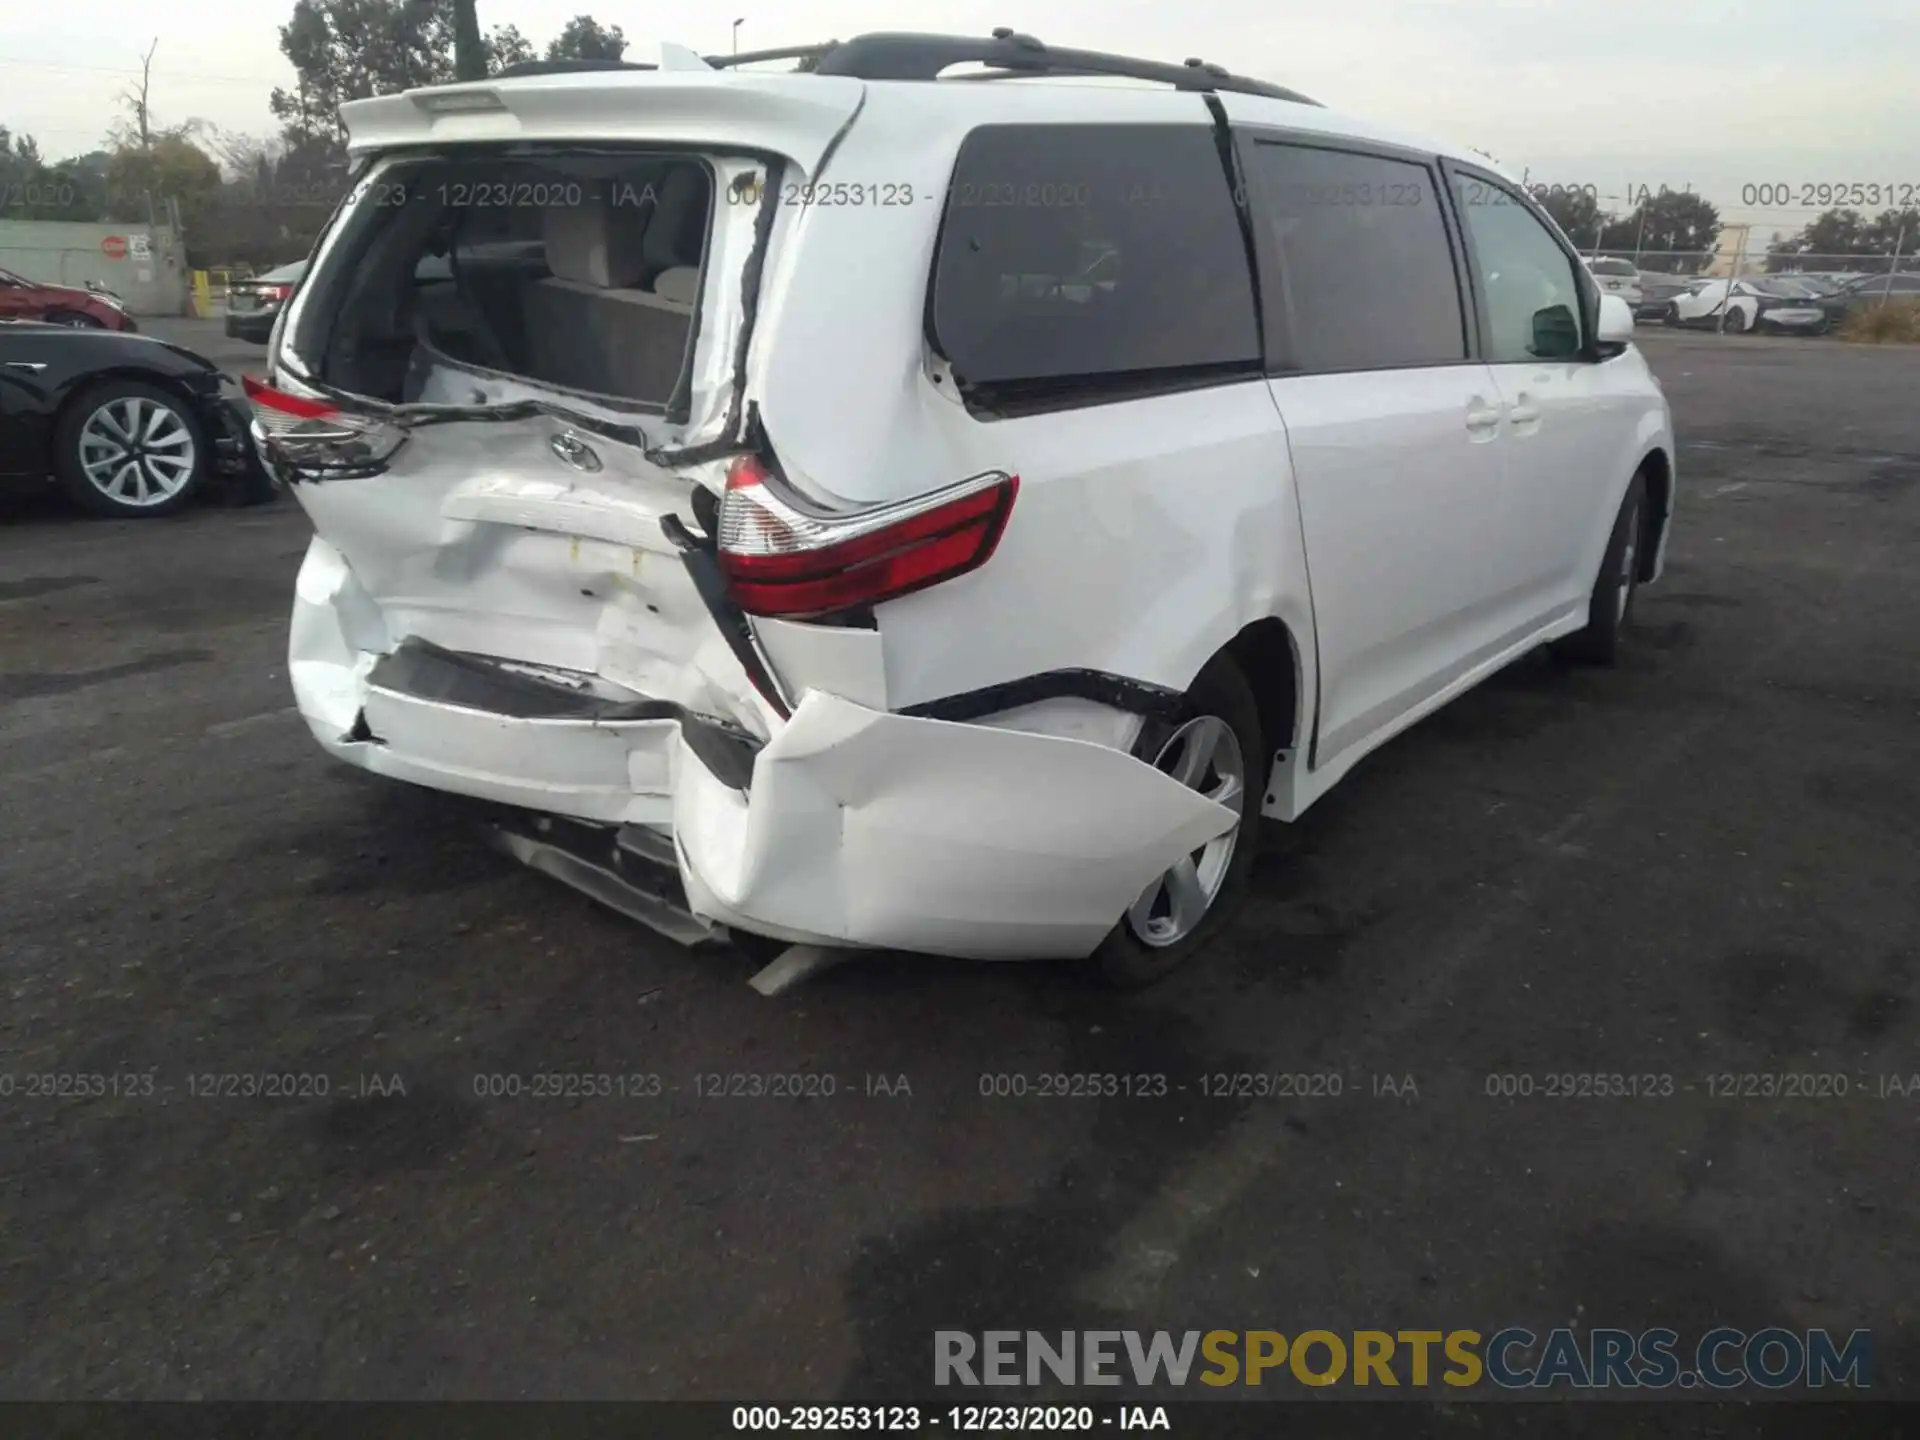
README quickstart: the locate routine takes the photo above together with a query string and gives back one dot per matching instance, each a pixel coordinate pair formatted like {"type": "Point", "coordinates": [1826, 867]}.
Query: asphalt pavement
{"type": "Point", "coordinates": [1701, 864]}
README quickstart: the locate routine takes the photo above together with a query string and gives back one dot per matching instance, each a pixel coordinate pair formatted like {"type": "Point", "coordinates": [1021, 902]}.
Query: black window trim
{"type": "Point", "coordinates": [1011, 401]}
{"type": "Point", "coordinates": [1255, 133]}
{"type": "Point", "coordinates": [1584, 284]}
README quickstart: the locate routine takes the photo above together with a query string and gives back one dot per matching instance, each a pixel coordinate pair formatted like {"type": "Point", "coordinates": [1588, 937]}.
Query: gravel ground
{"type": "Point", "coordinates": [1700, 863]}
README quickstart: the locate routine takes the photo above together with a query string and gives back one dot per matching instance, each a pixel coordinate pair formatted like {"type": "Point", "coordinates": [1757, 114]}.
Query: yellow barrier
{"type": "Point", "coordinates": [202, 295]}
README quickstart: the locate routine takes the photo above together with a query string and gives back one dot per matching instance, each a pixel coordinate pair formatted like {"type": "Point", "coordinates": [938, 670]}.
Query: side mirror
{"type": "Point", "coordinates": [1556, 332]}
{"type": "Point", "coordinates": [1616, 321]}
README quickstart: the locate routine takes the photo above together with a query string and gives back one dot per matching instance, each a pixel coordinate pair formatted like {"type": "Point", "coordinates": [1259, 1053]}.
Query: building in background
{"type": "Point", "coordinates": [145, 265]}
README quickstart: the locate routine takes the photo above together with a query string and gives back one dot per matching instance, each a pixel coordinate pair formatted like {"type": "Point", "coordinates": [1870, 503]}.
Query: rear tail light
{"type": "Point", "coordinates": [309, 434]}
{"type": "Point", "coordinates": [784, 557]}
{"type": "Point", "coordinates": [275, 292]}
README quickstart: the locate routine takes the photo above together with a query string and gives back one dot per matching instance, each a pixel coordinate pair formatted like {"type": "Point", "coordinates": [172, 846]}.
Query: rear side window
{"type": "Point", "coordinates": [1090, 252]}
{"type": "Point", "coordinates": [1356, 270]}
{"type": "Point", "coordinates": [575, 272]}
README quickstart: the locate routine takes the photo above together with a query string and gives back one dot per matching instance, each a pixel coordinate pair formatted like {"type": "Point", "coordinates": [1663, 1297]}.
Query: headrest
{"type": "Point", "coordinates": [679, 283]}
{"type": "Point", "coordinates": [598, 242]}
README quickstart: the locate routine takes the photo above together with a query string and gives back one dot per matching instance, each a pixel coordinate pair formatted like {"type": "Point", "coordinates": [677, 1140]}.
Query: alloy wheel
{"type": "Point", "coordinates": [1203, 755]}
{"type": "Point", "coordinates": [1623, 593]}
{"type": "Point", "coordinates": [137, 451]}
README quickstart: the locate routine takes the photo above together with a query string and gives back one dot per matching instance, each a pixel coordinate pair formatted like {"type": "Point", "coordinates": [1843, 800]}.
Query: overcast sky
{"type": "Point", "coordinates": [1717, 94]}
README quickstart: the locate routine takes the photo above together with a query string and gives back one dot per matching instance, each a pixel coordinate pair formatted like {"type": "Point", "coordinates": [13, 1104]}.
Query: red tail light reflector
{"type": "Point", "coordinates": [310, 434]}
{"type": "Point", "coordinates": [782, 556]}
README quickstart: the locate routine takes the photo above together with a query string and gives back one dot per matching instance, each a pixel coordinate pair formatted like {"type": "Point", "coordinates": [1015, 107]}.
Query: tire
{"type": "Point", "coordinates": [73, 320]}
{"type": "Point", "coordinates": [1670, 317]}
{"type": "Point", "coordinates": [1220, 704]}
{"type": "Point", "coordinates": [1611, 607]}
{"type": "Point", "coordinates": [162, 476]}
{"type": "Point", "coordinates": [1736, 321]}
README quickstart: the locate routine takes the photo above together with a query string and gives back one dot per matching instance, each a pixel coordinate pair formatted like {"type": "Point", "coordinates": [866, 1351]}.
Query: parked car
{"type": "Point", "coordinates": [1863, 292]}
{"type": "Point", "coordinates": [1617, 277]}
{"type": "Point", "coordinates": [1657, 291]}
{"type": "Point", "coordinates": [125, 424]}
{"type": "Point", "coordinates": [92, 308]}
{"type": "Point", "coordinates": [1814, 282]}
{"type": "Point", "coordinates": [1768, 303]}
{"type": "Point", "coordinates": [839, 582]}
{"type": "Point", "coordinates": [254, 304]}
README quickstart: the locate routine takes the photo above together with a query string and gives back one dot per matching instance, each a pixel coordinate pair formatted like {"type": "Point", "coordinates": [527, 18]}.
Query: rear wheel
{"type": "Point", "coordinates": [130, 449]}
{"type": "Point", "coordinates": [1217, 750]}
{"type": "Point", "coordinates": [1736, 321]}
{"type": "Point", "coordinates": [1619, 581]}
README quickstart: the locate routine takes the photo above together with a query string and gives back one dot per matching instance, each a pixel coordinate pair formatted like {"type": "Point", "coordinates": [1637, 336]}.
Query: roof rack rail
{"type": "Point", "coordinates": [566, 67]}
{"type": "Point", "coordinates": [750, 57]}
{"type": "Point", "coordinates": [901, 55]}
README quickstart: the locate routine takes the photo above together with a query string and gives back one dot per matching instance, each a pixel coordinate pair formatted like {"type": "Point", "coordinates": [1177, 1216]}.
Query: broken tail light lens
{"type": "Point", "coordinates": [311, 435]}
{"type": "Point", "coordinates": [784, 557]}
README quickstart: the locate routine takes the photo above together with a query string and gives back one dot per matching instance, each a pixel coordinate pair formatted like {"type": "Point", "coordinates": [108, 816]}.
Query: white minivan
{"type": "Point", "coordinates": [933, 501]}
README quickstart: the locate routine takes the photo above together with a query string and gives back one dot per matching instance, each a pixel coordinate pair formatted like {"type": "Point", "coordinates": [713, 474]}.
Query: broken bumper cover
{"type": "Point", "coordinates": [851, 826]}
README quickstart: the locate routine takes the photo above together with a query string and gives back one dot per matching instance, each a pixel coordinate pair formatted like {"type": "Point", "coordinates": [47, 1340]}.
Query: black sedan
{"type": "Point", "coordinates": [253, 305]}
{"type": "Point", "coordinates": [1866, 291]}
{"type": "Point", "coordinates": [1657, 293]}
{"type": "Point", "coordinates": [125, 424]}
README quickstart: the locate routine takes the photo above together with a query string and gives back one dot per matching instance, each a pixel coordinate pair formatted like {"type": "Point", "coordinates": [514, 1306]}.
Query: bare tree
{"type": "Point", "coordinates": [137, 100]}
{"type": "Point", "coordinates": [248, 159]}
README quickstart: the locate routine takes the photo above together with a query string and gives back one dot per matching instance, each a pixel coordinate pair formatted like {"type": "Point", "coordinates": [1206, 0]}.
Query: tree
{"type": "Point", "coordinates": [73, 189]}
{"type": "Point", "coordinates": [1896, 232]}
{"type": "Point", "coordinates": [1574, 211]}
{"type": "Point", "coordinates": [470, 52]}
{"type": "Point", "coordinates": [1867, 245]}
{"type": "Point", "coordinates": [507, 46]}
{"type": "Point", "coordinates": [140, 179]}
{"type": "Point", "coordinates": [345, 50]}
{"type": "Point", "coordinates": [585, 39]}
{"type": "Point", "coordinates": [136, 99]}
{"type": "Point", "coordinates": [1677, 226]}
{"type": "Point", "coordinates": [245, 160]}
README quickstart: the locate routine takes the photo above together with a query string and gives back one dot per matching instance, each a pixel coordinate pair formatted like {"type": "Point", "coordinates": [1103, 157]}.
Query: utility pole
{"type": "Point", "coordinates": [736, 33]}
{"type": "Point", "coordinates": [1900, 240]}
{"type": "Point", "coordinates": [469, 50]}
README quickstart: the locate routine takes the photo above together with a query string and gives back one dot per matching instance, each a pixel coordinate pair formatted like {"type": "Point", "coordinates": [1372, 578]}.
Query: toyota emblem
{"type": "Point", "coordinates": [575, 451]}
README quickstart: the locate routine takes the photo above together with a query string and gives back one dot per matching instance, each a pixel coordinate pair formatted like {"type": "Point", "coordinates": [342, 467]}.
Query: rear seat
{"type": "Point", "coordinates": [615, 314]}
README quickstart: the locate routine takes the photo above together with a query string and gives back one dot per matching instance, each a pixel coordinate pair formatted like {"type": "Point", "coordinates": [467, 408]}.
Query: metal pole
{"type": "Point", "coordinates": [1886, 292]}
{"type": "Point", "coordinates": [736, 33]}
{"type": "Point", "coordinates": [1739, 263]}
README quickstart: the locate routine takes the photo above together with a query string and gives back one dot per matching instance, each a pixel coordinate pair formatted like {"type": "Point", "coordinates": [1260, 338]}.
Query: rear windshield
{"type": "Point", "coordinates": [578, 272]}
{"type": "Point", "coordinates": [1614, 267]}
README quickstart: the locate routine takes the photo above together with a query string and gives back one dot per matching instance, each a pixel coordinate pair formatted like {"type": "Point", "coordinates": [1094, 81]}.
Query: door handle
{"type": "Point", "coordinates": [1482, 419]}
{"type": "Point", "coordinates": [1524, 411]}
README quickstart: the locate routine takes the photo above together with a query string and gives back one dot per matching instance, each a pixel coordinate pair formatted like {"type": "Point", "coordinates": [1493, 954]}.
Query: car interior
{"type": "Point", "coordinates": [593, 290]}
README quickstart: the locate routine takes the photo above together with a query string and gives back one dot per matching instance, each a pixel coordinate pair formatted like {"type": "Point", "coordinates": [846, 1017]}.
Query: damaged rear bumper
{"type": "Point", "coordinates": [850, 827]}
